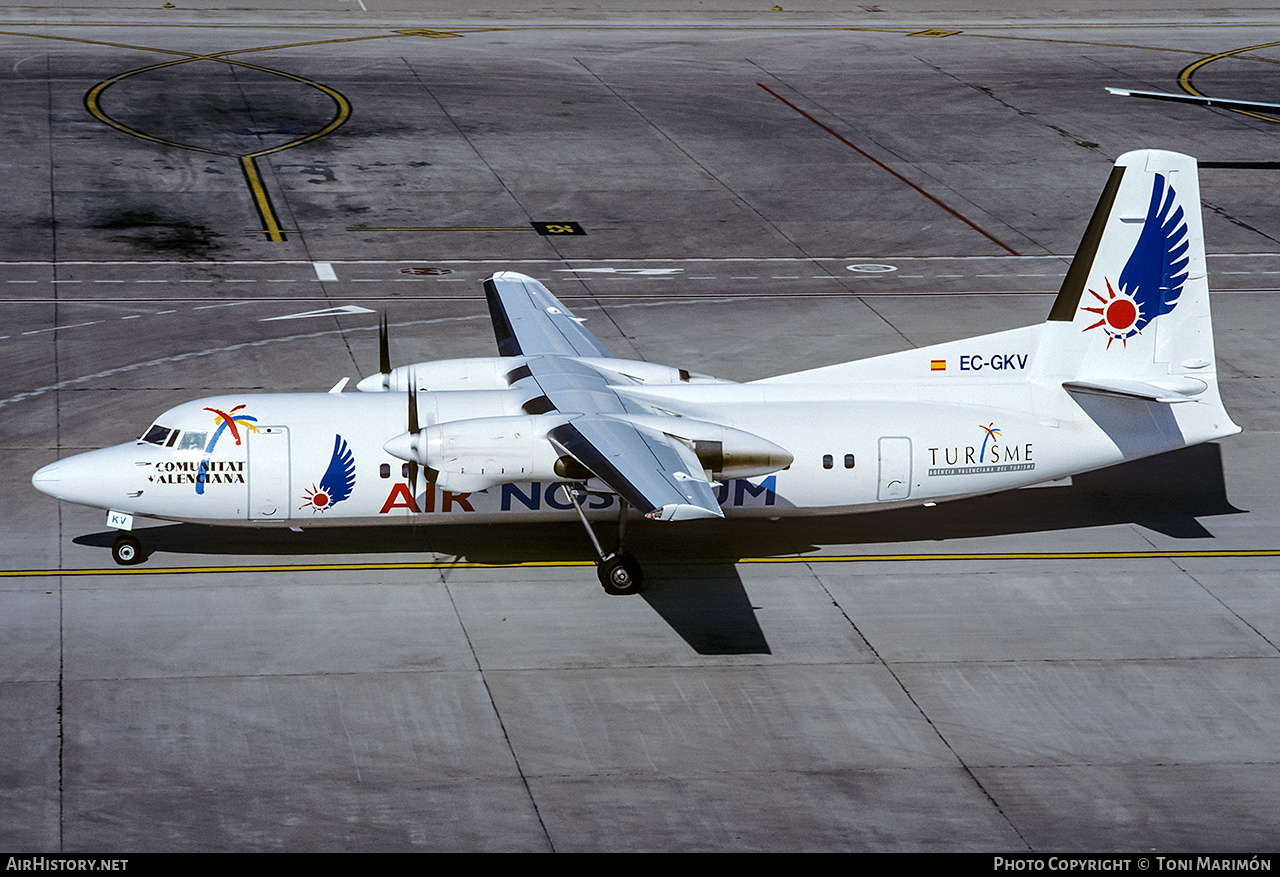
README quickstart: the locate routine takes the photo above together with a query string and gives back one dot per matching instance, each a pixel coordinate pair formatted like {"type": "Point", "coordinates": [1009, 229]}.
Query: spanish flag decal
{"type": "Point", "coordinates": [937, 365]}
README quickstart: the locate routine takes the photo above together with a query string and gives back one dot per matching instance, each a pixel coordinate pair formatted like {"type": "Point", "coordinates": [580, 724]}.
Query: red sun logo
{"type": "Point", "coordinates": [316, 500]}
{"type": "Point", "coordinates": [1119, 314]}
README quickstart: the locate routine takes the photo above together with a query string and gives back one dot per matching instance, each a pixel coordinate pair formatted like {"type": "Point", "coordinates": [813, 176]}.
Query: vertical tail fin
{"type": "Point", "coordinates": [1135, 302]}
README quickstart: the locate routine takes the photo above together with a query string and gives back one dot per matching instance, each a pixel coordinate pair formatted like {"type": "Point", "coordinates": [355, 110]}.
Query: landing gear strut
{"type": "Point", "coordinates": [126, 550]}
{"type": "Point", "coordinates": [619, 572]}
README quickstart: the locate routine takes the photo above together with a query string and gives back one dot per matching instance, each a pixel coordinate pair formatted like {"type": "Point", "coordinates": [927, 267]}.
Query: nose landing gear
{"type": "Point", "coordinates": [127, 549]}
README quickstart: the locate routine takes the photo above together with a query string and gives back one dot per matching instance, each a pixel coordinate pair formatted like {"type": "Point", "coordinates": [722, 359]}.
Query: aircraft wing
{"type": "Point", "coordinates": [659, 475]}
{"type": "Point", "coordinates": [655, 473]}
{"type": "Point", "coordinates": [529, 320]}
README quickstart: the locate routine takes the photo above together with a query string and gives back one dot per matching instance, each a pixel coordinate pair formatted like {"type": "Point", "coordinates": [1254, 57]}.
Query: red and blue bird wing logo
{"type": "Point", "coordinates": [337, 482]}
{"type": "Point", "coordinates": [1152, 280]}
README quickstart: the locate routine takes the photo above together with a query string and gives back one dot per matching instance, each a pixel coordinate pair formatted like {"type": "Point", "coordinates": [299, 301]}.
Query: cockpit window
{"type": "Point", "coordinates": [157, 434]}
{"type": "Point", "coordinates": [192, 441]}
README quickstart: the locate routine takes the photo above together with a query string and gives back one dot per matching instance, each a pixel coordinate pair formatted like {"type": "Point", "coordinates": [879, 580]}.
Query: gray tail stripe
{"type": "Point", "coordinates": [1068, 300]}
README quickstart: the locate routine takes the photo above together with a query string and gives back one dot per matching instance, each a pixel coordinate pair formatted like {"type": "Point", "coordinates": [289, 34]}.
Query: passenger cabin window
{"type": "Point", "coordinates": [157, 435]}
{"type": "Point", "coordinates": [848, 461]}
{"type": "Point", "coordinates": [827, 461]}
{"type": "Point", "coordinates": [384, 471]}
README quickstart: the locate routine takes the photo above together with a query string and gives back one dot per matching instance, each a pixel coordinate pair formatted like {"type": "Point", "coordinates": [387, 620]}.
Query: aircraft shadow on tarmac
{"type": "Point", "coordinates": [691, 581]}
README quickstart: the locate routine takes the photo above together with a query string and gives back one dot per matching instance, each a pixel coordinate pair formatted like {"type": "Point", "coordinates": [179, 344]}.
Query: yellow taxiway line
{"type": "Point", "coordinates": [821, 558]}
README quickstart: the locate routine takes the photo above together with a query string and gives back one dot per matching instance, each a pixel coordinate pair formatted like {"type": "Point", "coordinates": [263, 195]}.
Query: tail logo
{"type": "Point", "coordinates": [1152, 280]}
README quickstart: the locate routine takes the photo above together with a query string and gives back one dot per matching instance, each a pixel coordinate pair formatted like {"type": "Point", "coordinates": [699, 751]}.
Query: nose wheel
{"type": "Point", "coordinates": [126, 550]}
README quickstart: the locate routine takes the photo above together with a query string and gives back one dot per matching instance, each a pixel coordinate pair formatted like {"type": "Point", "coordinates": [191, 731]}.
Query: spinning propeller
{"type": "Point", "coordinates": [384, 354]}
{"type": "Point", "coordinates": [408, 445]}
{"type": "Point", "coordinates": [415, 432]}
{"type": "Point", "coordinates": [405, 446]}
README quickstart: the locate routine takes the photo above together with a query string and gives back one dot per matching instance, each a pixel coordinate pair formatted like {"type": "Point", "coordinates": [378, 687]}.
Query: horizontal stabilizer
{"type": "Point", "coordinates": [1178, 390]}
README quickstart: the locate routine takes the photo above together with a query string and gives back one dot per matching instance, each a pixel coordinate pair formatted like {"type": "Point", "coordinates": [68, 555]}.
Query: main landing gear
{"type": "Point", "coordinates": [127, 549]}
{"type": "Point", "coordinates": [619, 572]}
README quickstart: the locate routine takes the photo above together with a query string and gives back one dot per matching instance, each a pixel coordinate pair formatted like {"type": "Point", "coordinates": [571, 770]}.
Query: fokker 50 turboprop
{"type": "Point", "coordinates": [557, 427]}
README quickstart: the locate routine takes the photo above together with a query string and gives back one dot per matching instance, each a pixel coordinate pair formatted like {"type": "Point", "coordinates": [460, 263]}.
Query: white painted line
{"type": "Point", "coordinates": [56, 328]}
{"type": "Point", "coordinates": [327, 312]}
{"type": "Point", "coordinates": [324, 271]}
{"type": "Point", "coordinates": [108, 281]}
{"type": "Point", "coordinates": [234, 304]}
{"type": "Point", "coordinates": [645, 271]}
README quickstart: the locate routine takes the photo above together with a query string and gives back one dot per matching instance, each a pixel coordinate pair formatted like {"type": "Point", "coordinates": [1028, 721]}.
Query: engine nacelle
{"type": "Point", "coordinates": [475, 373]}
{"type": "Point", "coordinates": [723, 451]}
{"type": "Point", "coordinates": [481, 452]}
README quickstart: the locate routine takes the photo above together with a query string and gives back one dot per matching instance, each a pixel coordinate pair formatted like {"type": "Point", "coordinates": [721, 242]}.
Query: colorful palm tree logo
{"type": "Point", "coordinates": [225, 420]}
{"type": "Point", "coordinates": [992, 434]}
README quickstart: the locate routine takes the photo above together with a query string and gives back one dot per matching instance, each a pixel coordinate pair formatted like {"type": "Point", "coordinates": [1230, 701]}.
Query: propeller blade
{"type": "Point", "coordinates": [413, 404]}
{"type": "Point", "coordinates": [413, 430]}
{"type": "Point", "coordinates": [384, 353]}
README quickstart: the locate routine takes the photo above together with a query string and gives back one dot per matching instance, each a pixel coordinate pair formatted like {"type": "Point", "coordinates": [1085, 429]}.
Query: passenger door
{"type": "Point", "coordinates": [895, 468]}
{"type": "Point", "coordinates": [270, 497]}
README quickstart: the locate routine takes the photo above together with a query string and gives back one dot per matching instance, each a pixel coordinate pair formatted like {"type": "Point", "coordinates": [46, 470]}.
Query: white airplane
{"type": "Point", "coordinates": [556, 427]}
